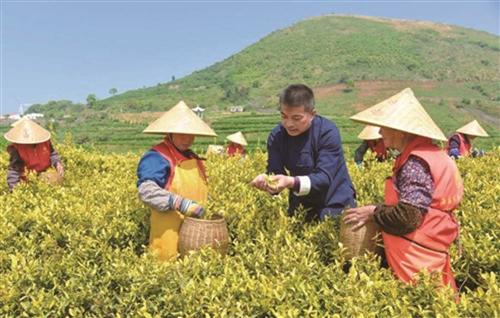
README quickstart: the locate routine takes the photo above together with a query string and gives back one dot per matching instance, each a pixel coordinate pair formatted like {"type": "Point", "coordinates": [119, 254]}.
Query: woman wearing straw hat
{"type": "Point", "coordinates": [237, 144]}
{"type": "Point", "coordinates": [417, 220]}
{"type": "Point", "coordinates": [171, 178]}
{"type": "Point", "coordinates": [30, 151]}
{"type": "Point", "coordinates": [460, 143]}
{"type": "Point", "coordinates": [371, 140]}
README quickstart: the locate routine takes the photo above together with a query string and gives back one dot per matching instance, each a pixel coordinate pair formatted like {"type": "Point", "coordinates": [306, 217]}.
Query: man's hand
{"type": "Point", "coordinates": [279, 182]}
{"type": "Point", "coordinates": [272, 184]}
{"type": "Point", "coordinates": [260, 182]}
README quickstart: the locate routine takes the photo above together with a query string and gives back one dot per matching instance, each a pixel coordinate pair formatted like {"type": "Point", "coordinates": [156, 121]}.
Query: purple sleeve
{"type": "Point", "coordinates": [15, 169]}
{"type": "Point", "coordinates": [54, 156]}
{"type": "Point", "coordinates": [415, 183]}
{"type": "Point", "coordinates": [454, 147]}
{"type": "Point", "coordinates": [296, 184]}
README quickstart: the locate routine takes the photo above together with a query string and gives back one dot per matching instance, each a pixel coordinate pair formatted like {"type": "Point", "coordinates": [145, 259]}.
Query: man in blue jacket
{"type": "Point", "coordinates": [309, 147]}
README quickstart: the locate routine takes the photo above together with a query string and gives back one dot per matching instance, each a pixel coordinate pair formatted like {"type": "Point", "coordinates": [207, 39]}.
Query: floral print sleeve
{"type": "Point", "coordinates": [415, 184]}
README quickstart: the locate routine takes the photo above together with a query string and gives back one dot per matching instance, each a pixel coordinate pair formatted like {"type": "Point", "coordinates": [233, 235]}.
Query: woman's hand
{"type": "Point", "coordinates": [60, 169]}
{"type": "Point", "coordinates": [359, 216]}
{"type": "Point", "coordinates": [195, 210]}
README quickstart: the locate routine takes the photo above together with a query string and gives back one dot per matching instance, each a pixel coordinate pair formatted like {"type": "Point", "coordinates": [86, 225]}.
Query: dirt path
{"type": "Point", "coordinates": [484, 117]}
{"type": "Point", "coordinates": [371, 88]}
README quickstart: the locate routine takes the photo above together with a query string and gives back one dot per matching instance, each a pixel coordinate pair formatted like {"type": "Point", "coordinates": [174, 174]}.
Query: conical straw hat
{"type": "Point", "coordinates": [474, 129]}
{"type": "Point", "coordinates": [237, 138]}
{"type": "Point", "coordinates": [370, 133]}
{"type": "Point", "coordinates": [27, 132]}
{"type": "Point", "coordinates": [18, 121]}
{"type": "Point", "coordinates": [180, 119]}
{"type": "Point", "coordinates": [402, 112]}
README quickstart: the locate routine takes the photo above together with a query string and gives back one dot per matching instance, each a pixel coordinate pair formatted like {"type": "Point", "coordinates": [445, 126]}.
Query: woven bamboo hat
{"type": "Point", "coordinates": [180, 119]}
{"type": "Point", "coordinates": [18, 121]}
{"type": "Point", "coordinates": [370, 133]}
{"type": "Point", "coordinates": [474, 129]}
{"type": "Point", "coordinates": [237, 138]}
{"type": "Point", "coordinates": [27, 132]}
{"type": "Point", "coordinates": [402, 112]}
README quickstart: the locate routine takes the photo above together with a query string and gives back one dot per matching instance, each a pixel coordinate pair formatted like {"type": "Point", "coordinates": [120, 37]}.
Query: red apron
{"type": "Point", "coordinates": [427, 246]}
{"type": "Point", "coordinates": [378, 147]}
{"type": "Point", "coordinates": [35, 157]}
{"type": "Point", "coordinates": [234, 149]}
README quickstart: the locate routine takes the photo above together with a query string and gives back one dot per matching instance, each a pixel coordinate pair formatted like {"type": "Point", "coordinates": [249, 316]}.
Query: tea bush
{"type": "Point", "coordinates": [80, 250]}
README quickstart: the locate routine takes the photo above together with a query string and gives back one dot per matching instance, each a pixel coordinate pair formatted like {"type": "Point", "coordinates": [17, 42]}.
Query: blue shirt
{"type": "Point", "coordinates": [317, 154]}
{"type": "Point", "coordinates": [154, 167]}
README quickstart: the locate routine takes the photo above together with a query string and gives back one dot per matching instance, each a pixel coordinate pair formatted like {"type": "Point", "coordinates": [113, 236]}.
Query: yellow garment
{"type": "Point", "coordinates": [164, 235]}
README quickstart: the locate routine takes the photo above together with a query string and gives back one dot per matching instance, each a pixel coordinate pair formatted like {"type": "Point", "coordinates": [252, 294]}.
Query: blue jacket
{"type": "Point", "coordinates": [317, 154]}
{"type": "Point", "coordinates": [154, 167]}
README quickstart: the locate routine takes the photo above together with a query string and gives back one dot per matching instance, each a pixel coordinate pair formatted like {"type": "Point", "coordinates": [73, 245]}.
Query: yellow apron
{"type": "Point", "coordinates": [165, 226]}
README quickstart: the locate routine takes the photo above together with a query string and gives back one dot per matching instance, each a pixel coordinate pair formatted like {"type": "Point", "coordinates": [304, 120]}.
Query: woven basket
{"type": "Point", "coordinates": [197, 233]}
{"type": "Point", "coordinates": [51, 177]}
{"type": "Point", "coordinates": [362, 240]}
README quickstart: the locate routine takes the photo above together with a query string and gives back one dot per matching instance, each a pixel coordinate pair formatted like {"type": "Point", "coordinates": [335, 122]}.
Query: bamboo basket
{"type": "Point", "coordinates": [364, 239]}
{"type": "Point", "coordinates": [51, 177]}
{"type": "Point", "coordinates": [197, 233]}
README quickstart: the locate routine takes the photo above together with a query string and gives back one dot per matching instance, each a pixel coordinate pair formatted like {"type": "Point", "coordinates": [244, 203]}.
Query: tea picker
{"type": "Point", "coordinates": [31, 151]}
{"type": "Point", "coordinates": [171, 177]}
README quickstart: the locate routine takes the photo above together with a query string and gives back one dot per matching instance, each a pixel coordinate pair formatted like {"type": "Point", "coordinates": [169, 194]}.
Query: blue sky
{"type": "Point", "coordinates": [53, 50]}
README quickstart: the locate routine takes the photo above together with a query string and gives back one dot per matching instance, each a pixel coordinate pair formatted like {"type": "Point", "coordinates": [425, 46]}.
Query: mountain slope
{"type": "Point", "coordinates": [324, 51]}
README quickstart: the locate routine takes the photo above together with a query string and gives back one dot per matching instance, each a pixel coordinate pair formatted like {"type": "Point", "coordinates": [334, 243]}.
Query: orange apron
{"type": "Point", "coordinates": [187, 178]}
{"type": "Point", "coordinates": [427, 246]}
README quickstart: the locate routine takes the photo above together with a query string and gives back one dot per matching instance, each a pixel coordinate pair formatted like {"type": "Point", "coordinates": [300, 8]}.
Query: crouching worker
{"type": "Point", "coordinates": [308, 146]}
{"type": "Point", "coordinates": [171, 177]}
{"type": "Point", "coordinates": [371, 140]}
{"type": "Point", "coordinates": [237, 144]}
{"type": "Point", "coordinates": [460, 143]}
{"type": "Point", "coordinates": [31, 151]}
{"type": "Point", "coordinates": [417, 220]}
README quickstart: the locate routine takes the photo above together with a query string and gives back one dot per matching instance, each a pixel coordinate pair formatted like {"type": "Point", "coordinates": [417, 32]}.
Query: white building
{"type": "Point", "coordinates": [14, 116]}
{"type": "Point", "coordinates": [237, 109]}
{"type": "Point", "coordinates": [33, 115]}
{"type": "Point", "coordinates": [198, 111]}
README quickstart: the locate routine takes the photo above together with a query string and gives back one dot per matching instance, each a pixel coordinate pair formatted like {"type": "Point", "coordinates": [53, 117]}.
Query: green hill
{"type": "Point", "coordinates": [324, 51]}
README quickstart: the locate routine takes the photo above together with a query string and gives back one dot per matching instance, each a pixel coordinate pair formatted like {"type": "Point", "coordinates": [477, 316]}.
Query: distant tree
{"type": "Point", "coordinates": [91, 100]}
{"type": "Point", "coordinates": [173, 78]}
{"type": "Point", "coordinates": [113, 91]}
